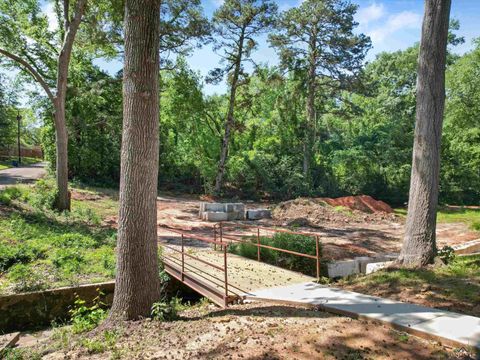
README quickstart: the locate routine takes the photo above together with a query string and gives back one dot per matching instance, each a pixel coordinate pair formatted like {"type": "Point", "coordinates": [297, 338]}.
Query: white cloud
{"type": "Point", "coordinates": [217, 2]}
{"type": "Point", "coordinates": [49, 11]}
{"type": "Point", "coordinates": [373, 12]}
{"type": "Point", "coordinates": [401, 21]}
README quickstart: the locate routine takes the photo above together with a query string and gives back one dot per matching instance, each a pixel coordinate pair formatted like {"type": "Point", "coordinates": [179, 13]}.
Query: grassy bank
{"type": "Point", "coordinates": [455, 286]}
{"type": "Point", "coordinates": [41, 249]}
{"type": "Point", "coordinates": [454, 214]}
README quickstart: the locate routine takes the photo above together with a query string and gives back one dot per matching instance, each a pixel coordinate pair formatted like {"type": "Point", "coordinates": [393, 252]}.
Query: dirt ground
{"type": "Point", "coordinates": [259, 331]}
{"type": "Point", "coordinates": [343, 233]}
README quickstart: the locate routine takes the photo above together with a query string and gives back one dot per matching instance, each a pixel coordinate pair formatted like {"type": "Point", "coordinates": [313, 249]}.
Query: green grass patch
{"type": "Point", "coordinates": [298, 243]}
{"type": "Point", "coordinates": [40, 248]}
{"type": "Point", "coordinates": [450, 214]}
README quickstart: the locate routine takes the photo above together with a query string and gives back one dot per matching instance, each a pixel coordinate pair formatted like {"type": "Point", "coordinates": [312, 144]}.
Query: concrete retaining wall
{"type": "Point", "coordinates": [40, 308]}
{"type": "Point", "coordinates": [29, 310]}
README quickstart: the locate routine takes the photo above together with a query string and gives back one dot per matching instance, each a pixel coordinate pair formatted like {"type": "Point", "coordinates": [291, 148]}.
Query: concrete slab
{"type": "Point", "coordinates": [470, 247]}
{"type": "Point", "coordinates": [432, 323]}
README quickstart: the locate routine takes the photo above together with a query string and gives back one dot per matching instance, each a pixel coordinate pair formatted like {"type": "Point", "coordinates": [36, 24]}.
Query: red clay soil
{"type": "Point", "coordinates": [364, 203]}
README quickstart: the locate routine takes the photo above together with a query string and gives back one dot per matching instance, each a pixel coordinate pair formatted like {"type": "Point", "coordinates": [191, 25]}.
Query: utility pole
{"type": "Point", "coordinates": [19, 119]}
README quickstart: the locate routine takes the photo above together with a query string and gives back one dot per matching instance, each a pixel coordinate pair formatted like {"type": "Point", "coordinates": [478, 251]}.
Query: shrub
{"type": "Point", "coordinates": [165, 311]}
{"type": "Point", "coordinates": [26, 278]}
{"type": "Point", "coordinates": [70, 260]}
{"type": "Point", "coordinates": [85, 318]}
{"type": "Point", "coordinates": [475, 226]}
{"type": "Point", "coordinates": [17, 253]}
{"type": "Point", "coordinates": [447, 254]}
{"type": "Point", "coordinates": [294, 242]}
{"type": "Point", "coordinates": [43, 194]}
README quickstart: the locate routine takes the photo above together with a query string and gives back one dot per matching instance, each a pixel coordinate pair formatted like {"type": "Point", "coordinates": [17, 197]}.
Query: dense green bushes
{"type": "Point", "coordinates": [298, 243]}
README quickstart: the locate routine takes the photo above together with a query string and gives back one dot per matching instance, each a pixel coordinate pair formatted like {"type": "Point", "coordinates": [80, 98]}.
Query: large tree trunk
{"type": "Point", "coordinates": [419, 245]}
{"type": "Point", "coordinates": [137, 282]}
{"type": "Point", "coordinates": [230, 119]}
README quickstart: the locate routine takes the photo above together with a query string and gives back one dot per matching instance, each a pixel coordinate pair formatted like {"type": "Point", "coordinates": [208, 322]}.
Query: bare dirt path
{"type": "Point", "coordinates": [261, 331]}
{"type": "Point", "coordinates": [23, 174]}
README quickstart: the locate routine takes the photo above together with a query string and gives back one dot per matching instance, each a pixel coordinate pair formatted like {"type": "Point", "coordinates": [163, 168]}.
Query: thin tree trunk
{"type": "Point", "coordinates": [419, 245]}
{"type": "Point", "coordinates": [137, 282]}
{"type": "Point", "coordinates": [310, 105]}
{"type": "Point", "coordinates": [71, 28]}
{"type": "Point", "coordinates": [230, 119]}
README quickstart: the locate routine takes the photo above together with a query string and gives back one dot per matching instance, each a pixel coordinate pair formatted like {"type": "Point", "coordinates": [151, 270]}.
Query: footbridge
{"type": "Point", "coordinates": [204, 263]}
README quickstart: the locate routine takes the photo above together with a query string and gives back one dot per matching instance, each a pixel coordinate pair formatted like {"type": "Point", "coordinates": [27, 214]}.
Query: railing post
{"type": "Point", "coordinates": [258, 244]}
{"type": "Point", "coordinates": [225, 272]}
{"type": "Point", "coordinates": [221, 236]}
{"type": "Point", "coordinates": [183, 260]}
{"type": "Point", "coordinates": [215, 236]}
{"type": "Point", "coordinates": [317, 247]}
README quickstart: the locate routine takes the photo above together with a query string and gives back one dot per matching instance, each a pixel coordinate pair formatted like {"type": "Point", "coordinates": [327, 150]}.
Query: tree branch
{"type": "Point", "coordinates": [66, 9]}
{"type": "Point", "coordinates": [32, 72]}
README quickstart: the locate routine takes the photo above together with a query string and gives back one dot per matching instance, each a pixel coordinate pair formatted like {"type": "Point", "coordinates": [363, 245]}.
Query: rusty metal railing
{"type": "Point", "coordinates": [181, 269]}
{"type": "Point", "coordinates": [219, 231]}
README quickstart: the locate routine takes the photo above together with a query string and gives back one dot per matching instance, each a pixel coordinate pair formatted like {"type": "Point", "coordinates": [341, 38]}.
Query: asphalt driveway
{"type": "Point", "coordinates": [23, 174]}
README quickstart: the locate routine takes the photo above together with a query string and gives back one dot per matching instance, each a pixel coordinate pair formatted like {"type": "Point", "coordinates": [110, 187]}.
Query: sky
{"type": "Point", "coordinates": [391, 24]}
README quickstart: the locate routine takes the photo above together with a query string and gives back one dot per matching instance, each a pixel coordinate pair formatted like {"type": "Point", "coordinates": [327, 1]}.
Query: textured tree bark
{"type": "Point", "coordinates": [137, 284]}
{"type": "Point", "coordinates": [230, 119]}
{"type": "Point", "coordinates": [310, 105]}
{"type": "Point", "coordinates": [419, 244]}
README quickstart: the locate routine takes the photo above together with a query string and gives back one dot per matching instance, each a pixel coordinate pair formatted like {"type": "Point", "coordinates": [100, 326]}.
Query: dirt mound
{"type": "Point", "coordinates": [364, 203]}
{"type": "Point", "coordinates": [318, 211]}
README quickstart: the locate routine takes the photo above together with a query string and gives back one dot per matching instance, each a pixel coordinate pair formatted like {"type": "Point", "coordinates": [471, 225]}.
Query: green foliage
{"type": "Point", "coordinates": [475, 226]}
{"type": "Point", "coordinates": [100, 344]}
{"type": "Point", "coordinates": [43, 194]}
{"type": "Point", "coordinates": [85, 318]}
{"type": "Point", "coordinates": [26, 278]}
{"type": "Point", "coordinates": [299, 243]}
{"type": "Point", "coordinates": [166, 310]}
{"type": "Point", "coordinates": [9, 194]}
{"type": "Point", "coordinates": [447, 254]}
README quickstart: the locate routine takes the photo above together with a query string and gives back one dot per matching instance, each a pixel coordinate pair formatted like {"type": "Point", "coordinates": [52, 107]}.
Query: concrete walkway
{"type": "Point", "coordinates": [23, 174]}
{"type": "Point", "coordinates": [447, 327]}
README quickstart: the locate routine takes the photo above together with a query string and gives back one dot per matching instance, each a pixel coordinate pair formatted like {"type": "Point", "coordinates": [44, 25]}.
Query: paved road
{"type": "Point", "coordinates": [24, 174]}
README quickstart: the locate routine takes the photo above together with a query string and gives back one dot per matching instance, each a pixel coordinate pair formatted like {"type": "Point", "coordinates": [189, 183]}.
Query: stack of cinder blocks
{"type": "Point", "coordinates": [222, 211]}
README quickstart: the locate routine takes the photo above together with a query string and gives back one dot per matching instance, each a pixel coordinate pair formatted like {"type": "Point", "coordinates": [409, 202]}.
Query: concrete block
{"type": "Point", "coordinates": [342, 268]}
{"type": "Point", "coordinates": [215, 216]}
{"type": "Point", "coordinates": [215, 207]}
{"type": "Point", "coordinates": [258, 214]}
{"type": "Point", "coordinates": [373, 267]}
{"type": "Point", "coordinates": [234, 207]}
{"type": "Point", "coordinates": [235, 215]}
{"type": "Point", "coordinates": [362, 262]}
